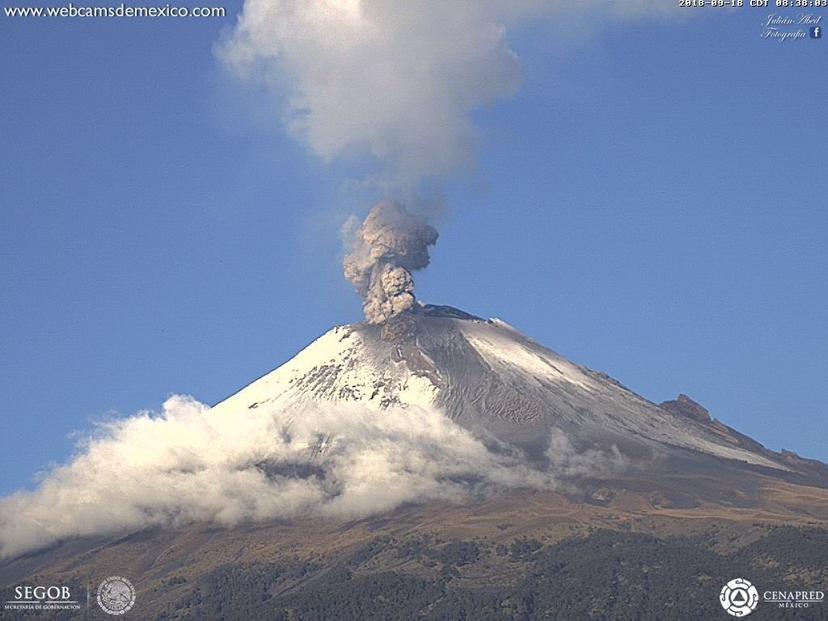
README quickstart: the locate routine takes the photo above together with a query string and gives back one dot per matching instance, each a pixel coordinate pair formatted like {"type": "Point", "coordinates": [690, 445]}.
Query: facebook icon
{"type": "Point", "coordinates": [816, 32]}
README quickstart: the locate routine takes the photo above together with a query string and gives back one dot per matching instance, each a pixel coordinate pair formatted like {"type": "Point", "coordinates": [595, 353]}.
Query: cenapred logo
{"type": "Point", "coordinates": [116, 595]}
{"type": "Point", "coordinates": [739, 597]}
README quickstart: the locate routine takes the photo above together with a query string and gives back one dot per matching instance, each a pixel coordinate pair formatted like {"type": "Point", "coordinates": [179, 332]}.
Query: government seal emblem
{"type": "Point", "coordinates": [116, 595]}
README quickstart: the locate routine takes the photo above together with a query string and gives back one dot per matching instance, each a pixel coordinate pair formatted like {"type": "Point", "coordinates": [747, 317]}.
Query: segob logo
{"type": "Point", "coordinates": [116, 595]}
{"type": "Point", "coordinates": [739, 597]}
{"type": "Point", "coordinates": [54, 597]}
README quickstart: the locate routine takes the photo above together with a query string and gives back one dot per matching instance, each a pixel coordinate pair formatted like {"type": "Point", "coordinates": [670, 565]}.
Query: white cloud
{"type": "Point", "coordinates": [192, 463]}
{"type": "Point", "coordinates": [396, 79]}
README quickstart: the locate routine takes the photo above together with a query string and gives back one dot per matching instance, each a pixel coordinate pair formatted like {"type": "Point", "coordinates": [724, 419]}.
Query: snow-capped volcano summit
{"type": "Point", "coordinates": [432, 419]}
{"type": "Point", "coordinates": [491, 379]}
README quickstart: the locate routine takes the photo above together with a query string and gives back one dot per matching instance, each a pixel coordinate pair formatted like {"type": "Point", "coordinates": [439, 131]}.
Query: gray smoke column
{"type": "Point", "coordinates": [384, 250]}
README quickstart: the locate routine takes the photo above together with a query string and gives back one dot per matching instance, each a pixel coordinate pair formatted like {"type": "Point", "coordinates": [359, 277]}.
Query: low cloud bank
{"type": "Point", "coordinates": [192, 463]}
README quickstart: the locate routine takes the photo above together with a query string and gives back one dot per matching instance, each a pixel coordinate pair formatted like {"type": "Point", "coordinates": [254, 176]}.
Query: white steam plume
{"type": "Point", "coordinates": [397, 79]}
{"type": "Point", "coordinates": [193, 463]}
{"type": "Point", "coordinates": [383, 251]}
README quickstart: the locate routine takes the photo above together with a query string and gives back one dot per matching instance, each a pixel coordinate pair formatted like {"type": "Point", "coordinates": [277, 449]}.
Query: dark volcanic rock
{"type": "Point", "coordinates": [685, 406]}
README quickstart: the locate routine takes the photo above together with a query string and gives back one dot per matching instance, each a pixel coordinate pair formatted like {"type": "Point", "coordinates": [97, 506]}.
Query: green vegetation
{"type": "Point", "coordinates": [607, 575]}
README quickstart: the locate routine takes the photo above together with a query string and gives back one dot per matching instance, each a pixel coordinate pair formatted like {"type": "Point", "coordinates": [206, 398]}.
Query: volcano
{"type": "Point", "coordinates": [511, 392]}
{"type": "Point", "coordinates": [684, 495]}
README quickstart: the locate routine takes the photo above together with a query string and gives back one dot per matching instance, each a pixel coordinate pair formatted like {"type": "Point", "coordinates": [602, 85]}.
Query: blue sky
{"type": "Point", "coordinates": [651, 203]}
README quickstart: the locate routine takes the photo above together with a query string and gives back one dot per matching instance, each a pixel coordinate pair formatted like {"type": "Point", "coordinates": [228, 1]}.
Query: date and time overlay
{"type": "Point", "coordinates": [794, 20]}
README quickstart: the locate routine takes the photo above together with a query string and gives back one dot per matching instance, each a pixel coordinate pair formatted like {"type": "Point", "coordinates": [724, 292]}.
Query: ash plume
{"type": "Point", "coordinates": [384, 250]}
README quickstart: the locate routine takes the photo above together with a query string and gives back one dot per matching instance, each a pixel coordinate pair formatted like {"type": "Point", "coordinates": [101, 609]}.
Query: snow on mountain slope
{"type": "Point", "coordinates": [341, 365]}
{"type": "Point", "coordinates": [485, 375]}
